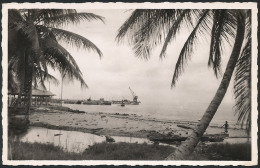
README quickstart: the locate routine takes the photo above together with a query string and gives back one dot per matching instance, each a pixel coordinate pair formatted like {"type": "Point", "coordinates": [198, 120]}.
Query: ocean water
{"type": "Point", "coordinates": [191, 113]}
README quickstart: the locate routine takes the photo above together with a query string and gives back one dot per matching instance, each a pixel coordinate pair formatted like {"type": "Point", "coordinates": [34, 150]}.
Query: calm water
{"type": "Point", "coordinates": [72, 141]}
{"type": "Point", "coordinates": [167, 112]}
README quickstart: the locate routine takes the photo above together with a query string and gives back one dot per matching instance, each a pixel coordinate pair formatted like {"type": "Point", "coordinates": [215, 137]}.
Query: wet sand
{"type": "Point", "coordinates": [117, 124]}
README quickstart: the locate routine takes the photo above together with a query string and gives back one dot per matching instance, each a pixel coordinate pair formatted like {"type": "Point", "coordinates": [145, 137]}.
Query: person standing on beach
{"type": "Point", "coordinates": [226, 127]}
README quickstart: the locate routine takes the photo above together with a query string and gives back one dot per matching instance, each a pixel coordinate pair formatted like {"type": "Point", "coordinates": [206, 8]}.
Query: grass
{"type": "Point", "coordinates": [125, 151]}
{"type": "Point", "coordinates": [128, 151]}
{"type": "Point", "coordinates": [226, 151]}
{"type": "Point", "coordinates": [101, 151]}
{"type": "Point", "coordinates": [36, 151]}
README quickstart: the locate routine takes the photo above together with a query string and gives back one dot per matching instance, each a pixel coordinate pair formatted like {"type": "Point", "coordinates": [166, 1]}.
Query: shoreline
{"type": "Point", "coordinates": [114, 124]}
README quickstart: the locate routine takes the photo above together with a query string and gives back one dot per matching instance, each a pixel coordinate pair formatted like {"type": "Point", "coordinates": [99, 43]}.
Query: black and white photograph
{"type": "Point", "coordinates": [129, 83]}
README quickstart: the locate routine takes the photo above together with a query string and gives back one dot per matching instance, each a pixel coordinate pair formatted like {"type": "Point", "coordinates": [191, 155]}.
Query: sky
{"type": "Point", "coordinates": [111, 76]}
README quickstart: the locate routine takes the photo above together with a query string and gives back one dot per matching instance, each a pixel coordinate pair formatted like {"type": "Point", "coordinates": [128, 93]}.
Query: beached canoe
{"type": "Point", "coordinates": [184, 126]}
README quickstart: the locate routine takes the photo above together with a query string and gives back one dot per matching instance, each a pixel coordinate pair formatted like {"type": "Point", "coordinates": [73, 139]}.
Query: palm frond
{"type": "Point", "coordinates": [151, 32]}
{"type": "Point", "coordinates": [64, 66]}
{"type": "Point", "coordinates": [248, 24]}
{"type": "Point", "coordinates": [133, 23]}
{"type": "Point", "coordinates": [59, 18]}
{"type": "Point", "coordinates": [75, 39]}
{"type": "Point", "coordinates": [41, 14]}
{"type": "Point", "coordinates": [14, 16]}
{"type": "Point", "coordinates": [49, 44]}
{"type": "Point", "coordinates": [222, 30]}
{"type": "Point", "coordinates": [40, 76]}
{"type": "Point", "coordinates": [201, 27]}
{"type": "Point", "coordinates": [216, 41]}
{"type": "Point", "coordinates": [242, 87]}
{"type": "Point", "coordinates": [145, 29]}
{"type": "Point", "coordinates": [174, 29]}
{"type": "Point", "coordinates": [59, 58]}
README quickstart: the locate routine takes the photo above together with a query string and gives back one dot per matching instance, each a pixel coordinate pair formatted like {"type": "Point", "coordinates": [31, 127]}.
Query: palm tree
{"type": "Point", "coordinates": [33, 47]}
{"type": "Point", "coordinates": [145, 29]}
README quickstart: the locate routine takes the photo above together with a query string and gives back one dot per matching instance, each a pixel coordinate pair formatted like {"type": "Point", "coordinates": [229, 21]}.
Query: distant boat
{"type": "Point", "coordinates": [122, 104]}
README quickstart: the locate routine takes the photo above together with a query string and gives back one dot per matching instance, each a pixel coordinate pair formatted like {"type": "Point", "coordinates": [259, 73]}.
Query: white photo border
{"type": "Point", "coordinates": [120, 5]}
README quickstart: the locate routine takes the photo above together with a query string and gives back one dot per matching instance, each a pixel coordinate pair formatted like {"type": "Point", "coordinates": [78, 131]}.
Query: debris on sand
{"type": "Point", "coordinates": [109, 139]}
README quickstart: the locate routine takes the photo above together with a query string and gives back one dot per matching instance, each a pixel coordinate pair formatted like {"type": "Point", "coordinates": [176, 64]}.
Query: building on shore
{"type": "Point", "coordinates": [39, 98]}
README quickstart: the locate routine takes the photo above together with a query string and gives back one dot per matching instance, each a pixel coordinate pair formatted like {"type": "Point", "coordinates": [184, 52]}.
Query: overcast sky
{"type": "Point", "coordinates": [111, 76]}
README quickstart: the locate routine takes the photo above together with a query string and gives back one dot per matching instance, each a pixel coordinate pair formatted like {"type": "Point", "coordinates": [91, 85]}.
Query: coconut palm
{"type": "Point", "coordinates": [146, 29]}
{"type": "Point", "coordinates": [33, 46]}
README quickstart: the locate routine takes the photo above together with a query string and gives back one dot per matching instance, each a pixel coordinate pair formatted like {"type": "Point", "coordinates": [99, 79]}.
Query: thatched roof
{"type": "Point", "coordinates": [36, 92]}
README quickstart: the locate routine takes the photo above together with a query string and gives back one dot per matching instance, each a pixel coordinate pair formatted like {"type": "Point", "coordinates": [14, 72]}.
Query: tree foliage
{"type": "Point", "coordinates": [146, 29]}
{"type": "Point", "coordinates": [34, 37]}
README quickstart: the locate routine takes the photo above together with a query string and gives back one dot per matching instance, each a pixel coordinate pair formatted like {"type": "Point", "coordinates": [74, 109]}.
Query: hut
{"type": "Point", "coordinates": [39, 97]}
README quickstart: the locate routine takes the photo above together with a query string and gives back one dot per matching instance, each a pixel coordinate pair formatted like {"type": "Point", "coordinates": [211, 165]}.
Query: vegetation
{"type": "Point", "coordinates": [34, 37]}
{"type": "Point", "coordinates": [226, 151]}
{"type": "Point", "coordinates": [102, 151]}
{"type": "Point", "coordinates": [146, 29]}
{"type": "Point", "coordinates": [125, 151]}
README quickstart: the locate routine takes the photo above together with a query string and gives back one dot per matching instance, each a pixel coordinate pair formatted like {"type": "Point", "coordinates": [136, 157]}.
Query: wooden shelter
{"type": "Point", "coordinates": [39, 97]}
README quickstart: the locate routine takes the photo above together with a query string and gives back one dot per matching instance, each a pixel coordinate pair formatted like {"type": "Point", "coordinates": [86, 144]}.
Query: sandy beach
{"type": "Point", "coordinates": [117, 124]}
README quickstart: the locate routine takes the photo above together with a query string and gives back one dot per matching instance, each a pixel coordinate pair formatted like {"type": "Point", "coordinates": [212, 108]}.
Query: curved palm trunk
{"type": "Point", "coordinates": [189, 145]}
{"type": "Point", "coordinates": [28, 86]}
{"type": "Point", "coordinates": [28, 92]}
{"type": "Point", "coordinates": [19, 101]}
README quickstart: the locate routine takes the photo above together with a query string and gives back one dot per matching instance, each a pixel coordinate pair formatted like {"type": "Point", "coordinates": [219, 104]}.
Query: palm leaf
{"type": "Point", "coordinates": [133, 23]}
{"type": "Point", "coordinates": [174, 29]}
{"type": "Point", "coordinates": [48, 44]}
{"type": "Point", "coordinates": [64, 66]}
{"type": "Point", "coordinates": [75, 39]}
{"type": "Point", "coordinates": [59, 58]}
{"type": "Point", "coordinates": [216, 41]}
{"type": "Point", "coordinates": [14, 16]}
{"type": "Point", "coordinates": [152, 31]}
{"type": "Point", "coordinates": [145, 29]}
{"type": "Point", "coordinates": [187, 49]}
{"type": "Point", "coordinates": [41, 14]}
{"type": "Point", "coordinates": [242, 87]}
{"type": "Point", "coordinates": [40, 76]}
{"type": "Point", "coordinates": [62, 17]}
{"type": "Point", "coordinates": [222, 29]}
